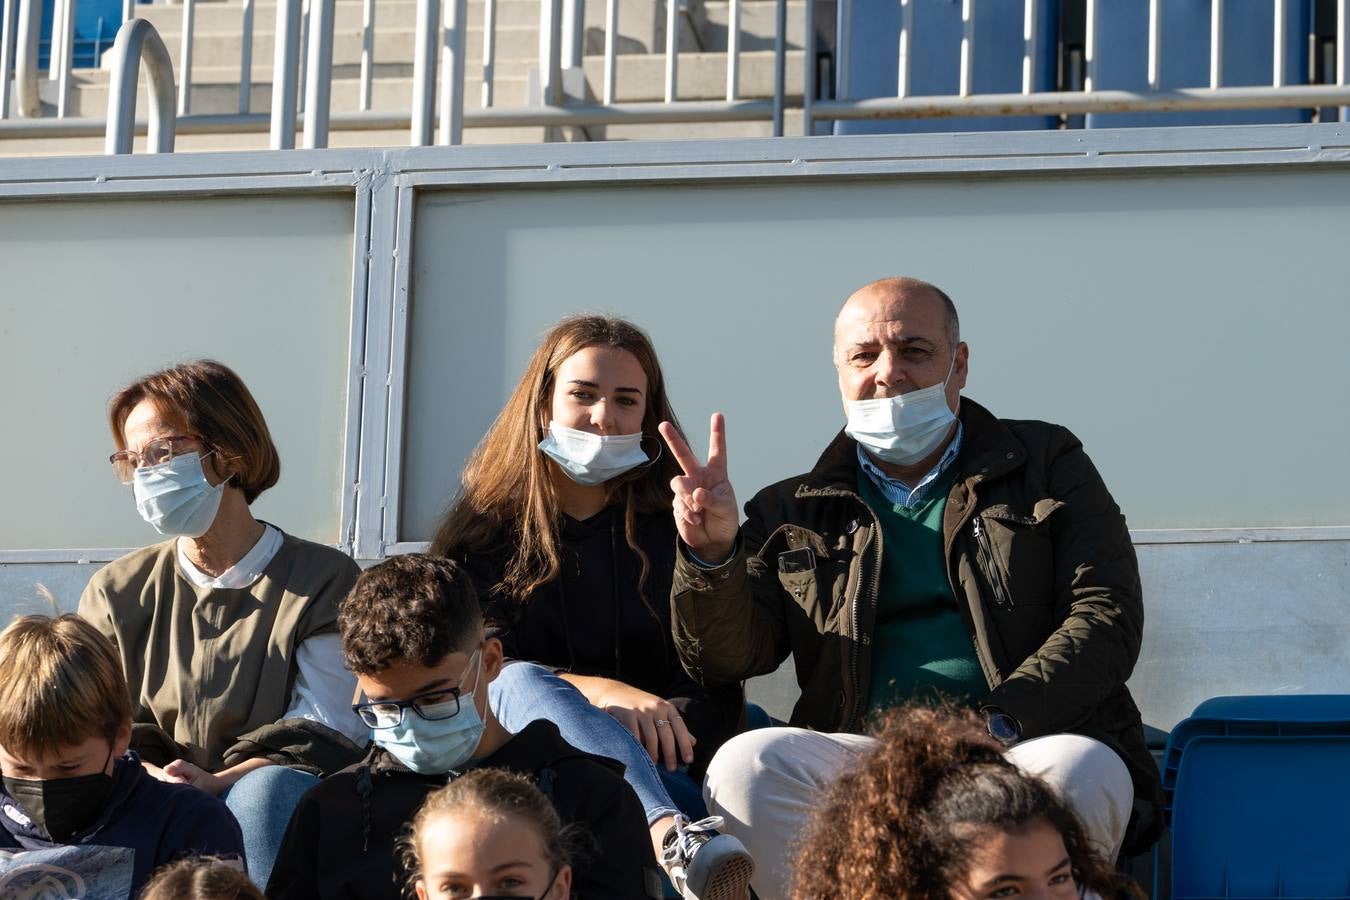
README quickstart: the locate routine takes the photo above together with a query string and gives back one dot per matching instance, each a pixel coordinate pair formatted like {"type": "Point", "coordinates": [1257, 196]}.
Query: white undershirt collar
{"type": "Point", "coordinates": [243, 573]}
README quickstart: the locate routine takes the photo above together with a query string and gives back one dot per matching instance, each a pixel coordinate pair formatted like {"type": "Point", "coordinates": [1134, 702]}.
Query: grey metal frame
{"type": "Point", "coordinates": [384, 185]}
{"type": "Point", "coordinates": [138, 41]}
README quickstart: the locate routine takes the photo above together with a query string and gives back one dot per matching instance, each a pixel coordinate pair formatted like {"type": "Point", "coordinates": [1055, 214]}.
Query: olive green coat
{"type": "Point", "coordinates": [1040, 563]}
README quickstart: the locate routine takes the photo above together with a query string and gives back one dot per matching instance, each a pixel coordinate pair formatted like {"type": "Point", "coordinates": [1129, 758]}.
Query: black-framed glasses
{"type": "Point", "coordinates": [160, 450]}
{"type": "Point", "coordinates": [434, 705]}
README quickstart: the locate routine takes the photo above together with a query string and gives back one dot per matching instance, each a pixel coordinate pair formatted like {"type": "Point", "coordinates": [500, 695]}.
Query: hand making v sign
{"type": "Point", "coordinates": [705, 505]}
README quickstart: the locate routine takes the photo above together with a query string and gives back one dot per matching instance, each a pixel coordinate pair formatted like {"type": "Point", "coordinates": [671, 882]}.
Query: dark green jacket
{"type": "Point", "coordinates": [1039, 559]}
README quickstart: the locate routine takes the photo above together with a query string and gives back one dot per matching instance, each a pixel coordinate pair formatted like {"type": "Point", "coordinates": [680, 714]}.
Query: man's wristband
{"type": "Point", "coordinates": [708, 566]}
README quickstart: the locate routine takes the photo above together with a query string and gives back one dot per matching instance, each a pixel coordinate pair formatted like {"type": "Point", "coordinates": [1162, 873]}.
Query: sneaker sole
{"type": "Point", "coordinates": [731, 881]}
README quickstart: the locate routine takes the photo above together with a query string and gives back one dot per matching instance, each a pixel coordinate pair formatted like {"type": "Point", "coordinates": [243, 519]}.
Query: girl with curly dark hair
{"type": "Point", "coordinates": [936, 812]}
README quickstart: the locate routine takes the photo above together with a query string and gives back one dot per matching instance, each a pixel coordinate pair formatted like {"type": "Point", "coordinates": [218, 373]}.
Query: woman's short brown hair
{"type": "Point", "coordinates": [61, 683]}
{"type": "Point", "coordinates": [209, 402]}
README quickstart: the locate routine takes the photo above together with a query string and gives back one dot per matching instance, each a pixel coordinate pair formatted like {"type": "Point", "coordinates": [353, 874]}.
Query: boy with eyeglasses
{"type": "Point", "coordinates": [412, 632]}
{"type": "Point", "coordinates": [79, 815]}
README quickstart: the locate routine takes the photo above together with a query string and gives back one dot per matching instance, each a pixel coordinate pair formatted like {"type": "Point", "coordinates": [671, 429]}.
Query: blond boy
{"type": "Point", "coordinates": [79, 816]}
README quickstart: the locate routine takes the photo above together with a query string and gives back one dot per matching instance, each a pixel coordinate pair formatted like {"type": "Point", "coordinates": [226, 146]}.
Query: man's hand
{"type": "Point", "coordinates": [705, 505]}
{"type": "Point", "coordinates": [655, 723]}
{"type": "Point", "coordinates": [184, 772]}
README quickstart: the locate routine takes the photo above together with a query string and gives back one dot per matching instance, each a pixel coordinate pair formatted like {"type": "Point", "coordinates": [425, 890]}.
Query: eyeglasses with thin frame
{"type": "Point", "coordinates": [434, 705]}
{"type": "Point", "coordinates": [160, 450]}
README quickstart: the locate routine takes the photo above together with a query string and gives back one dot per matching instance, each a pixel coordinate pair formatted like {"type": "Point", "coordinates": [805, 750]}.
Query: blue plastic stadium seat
{"type": "Point", "coordinates": [1259, 817]}
{"type": "Point", "coordinates": [1248, 56]}
{"type": "Point", "coordinates": [96, 24]}
{"type": "Point", "coordinates": [1275, 715]}
{"type": "Point", "coordinates": [935, 51]}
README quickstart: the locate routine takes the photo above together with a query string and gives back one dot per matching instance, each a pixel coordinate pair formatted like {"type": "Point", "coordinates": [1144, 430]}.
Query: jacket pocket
{"type": "Point", "coordinates": [1017, 553]}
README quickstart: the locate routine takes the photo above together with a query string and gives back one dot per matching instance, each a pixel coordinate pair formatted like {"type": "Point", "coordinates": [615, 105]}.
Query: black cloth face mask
{"type": "Point", "coordinates": [59, 807]}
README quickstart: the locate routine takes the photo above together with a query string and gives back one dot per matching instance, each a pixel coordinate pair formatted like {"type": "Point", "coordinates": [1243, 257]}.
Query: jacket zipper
{"type": "Point", "coordinates": [1002, 596]}
{"type": "Point", "coordinates": [851, 712]}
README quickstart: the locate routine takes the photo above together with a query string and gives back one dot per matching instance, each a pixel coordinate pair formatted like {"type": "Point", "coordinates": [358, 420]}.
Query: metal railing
{"type": "Point", "coordinates": [138, 41]}
{"type": "Point", "coordinates": [1091, 99]}
{"type": "Point", "coordinates": [302, 73]}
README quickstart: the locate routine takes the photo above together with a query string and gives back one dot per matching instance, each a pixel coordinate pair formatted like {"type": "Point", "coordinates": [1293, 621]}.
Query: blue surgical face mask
{"type": "Point", "coordinates": [903, 429]}
{"type": "Point", "coordinates": [434, 747]}
{"type": "Point", "coordinates": [592, 458]}
{"type": "Point", "coordinates": [175, 496]}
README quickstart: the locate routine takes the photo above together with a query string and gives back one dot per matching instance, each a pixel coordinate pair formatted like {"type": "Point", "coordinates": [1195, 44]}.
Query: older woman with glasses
{"type": "Point", "coordinates": [227, 629]}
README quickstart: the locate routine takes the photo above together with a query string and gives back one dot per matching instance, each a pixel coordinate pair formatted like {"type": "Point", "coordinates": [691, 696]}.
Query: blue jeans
{"type": "Point", "coordinates": [262, 801]}
{"type": "Point", "coordinates": [525, 691]}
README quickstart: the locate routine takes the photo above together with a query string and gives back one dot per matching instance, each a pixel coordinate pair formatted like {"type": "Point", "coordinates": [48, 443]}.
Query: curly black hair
{"type": "Point", "coordinates": [414, 607]}
{"type": "Point", "coordinates": [903, 824]}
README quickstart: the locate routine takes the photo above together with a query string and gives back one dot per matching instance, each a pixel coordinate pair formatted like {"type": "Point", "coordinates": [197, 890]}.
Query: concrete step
{"type": "Point", "coordinates": [228, 16]}
{"type": "Point", "coordinates": [394, 45]}
{"type": "Point", "coordinates": [758, 24]}
{"type": "Point", "coordinates": [91, 98]}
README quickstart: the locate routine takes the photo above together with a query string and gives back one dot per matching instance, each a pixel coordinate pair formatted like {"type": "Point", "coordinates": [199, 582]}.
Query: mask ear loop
{"type": "Point", "coordinates": [660, 448]}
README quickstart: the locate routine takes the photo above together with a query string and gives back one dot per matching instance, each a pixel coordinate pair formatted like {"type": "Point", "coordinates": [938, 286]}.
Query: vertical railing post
{"type": "Point", "coordinates": [612, 48]}
{"type": "Point", "coordinates": [1155, 45]}
{"type": "Point", "coordinates": [1277, 78]}
{"type": "Point", "coordinates": [733, 50]}
{"type": "Point", "coordinates": [550, 52]}
{"type": "Point", "coordinates": [138, 41]}
{"type": "Point", "coordinates": [489, 51]}
{"type": "Point", "coordinates": [28, 30]}
{"type": "Point", "coordinates": [809, 76]}
{"type": "Point", "coordinates": [672, 49]}
{"type": "Point", "coordinates": [319, 74]}
{"type": "Point", "coordinates": [67, 26]}
{"type": "Point", "coordinates": [1216, 43]}
{"type": "Point", "coordinates": [368, 53]}
{"type": "Point", "coordinates": [9, 26]}
{"type": "Point", "coordinates": [1343, 50]}
{"type": "Point", "coordinates": [843, 39]}
{"type": "Point", "coordinates": [452, 72]}
{"type": "Point", "coordinates": [1030, 45]}
{"type": "Point", "coordinates": [185, 58]}
{"type": "Point", "coordinates": [285, 61]}
{"type": "Point", "coordinates": [128, 10]}
{"type": "Point", "coordinates": [302, 65]}
{"type": "Point", "coordinates": [425, 47]}
{"type": "Point", "coordinates": [1090, 48]}
{"type": "Point", "coordinates": [902, 57]}
{"type": "Point", "coordinates": [246, 58]}
{"type": "Point", "coordinates": [573, 32]}
{"type": "Point", "coordinates": [779, 66]}
{"type": "Point", "coordinates": [55, 46]}
{"type": "Point", "coordinates": [967, 47]}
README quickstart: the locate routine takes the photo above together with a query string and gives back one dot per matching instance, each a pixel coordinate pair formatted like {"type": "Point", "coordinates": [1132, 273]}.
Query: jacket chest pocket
{"type": "Point", "coordinates": [1016, 552]}
{"type": "Point", "coordinates": [807, 571]}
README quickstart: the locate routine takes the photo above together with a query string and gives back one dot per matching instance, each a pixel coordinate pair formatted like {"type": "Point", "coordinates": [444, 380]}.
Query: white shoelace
{"type": "Point", "coordinates": [687, 839]}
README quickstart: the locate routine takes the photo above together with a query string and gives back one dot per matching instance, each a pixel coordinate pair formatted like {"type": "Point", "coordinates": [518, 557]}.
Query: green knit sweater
{"type": "Point", "coordinates": [920, 647]}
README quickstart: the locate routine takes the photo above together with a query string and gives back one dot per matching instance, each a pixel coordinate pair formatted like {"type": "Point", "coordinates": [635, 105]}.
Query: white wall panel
{"type": "Point", "coordinates": [94, 293]}
{"type": "Point", "coordinates": [1188, 327]}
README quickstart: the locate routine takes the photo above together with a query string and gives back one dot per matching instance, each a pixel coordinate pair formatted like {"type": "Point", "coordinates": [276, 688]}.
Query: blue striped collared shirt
{"type": "Point", "coordinates": [897, 492]}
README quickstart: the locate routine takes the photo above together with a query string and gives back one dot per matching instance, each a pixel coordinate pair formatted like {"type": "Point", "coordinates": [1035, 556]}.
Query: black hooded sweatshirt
{"type": "Point", "coordinates": [343, 839]}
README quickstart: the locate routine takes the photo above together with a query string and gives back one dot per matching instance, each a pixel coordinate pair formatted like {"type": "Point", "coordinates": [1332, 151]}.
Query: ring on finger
{"type": "Point", "coordinates": [661, 723]}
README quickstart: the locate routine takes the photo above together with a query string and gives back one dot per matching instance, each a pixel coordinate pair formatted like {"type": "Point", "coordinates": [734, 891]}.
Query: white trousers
{"type": "Point", "coordinates": [766, 783]}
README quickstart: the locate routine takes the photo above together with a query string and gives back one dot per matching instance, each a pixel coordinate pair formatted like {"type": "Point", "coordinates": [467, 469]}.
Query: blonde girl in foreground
{"type": "Point", "coordinates": [489, 835]}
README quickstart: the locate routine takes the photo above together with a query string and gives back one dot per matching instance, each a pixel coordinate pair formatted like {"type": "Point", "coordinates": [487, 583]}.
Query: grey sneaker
{"type": "Point", "coordinates": [705, 865]}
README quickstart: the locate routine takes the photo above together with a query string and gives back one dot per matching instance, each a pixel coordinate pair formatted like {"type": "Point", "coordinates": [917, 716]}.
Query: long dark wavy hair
{"type": "Point", "coordinates": [507, 483]}
{"type": "Point", "coordinates": [904, 822]}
